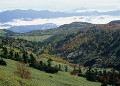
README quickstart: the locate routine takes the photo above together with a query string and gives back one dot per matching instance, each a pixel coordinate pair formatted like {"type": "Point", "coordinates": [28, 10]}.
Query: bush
{"type": "Point", "coordinates": [74, 72]}
{"type": "Point", "coordinates": [2, 62]}
{"type": "Point", "coordinates": [6, 79]}
{"type": "Point", "coordinates": [51, 70]}
{"type": "Point", "coordinates": [90, 75]}
{"type": "Point", "coordinates": [42, 67]}
{"type": "Point", "coordinates": [22, 71]}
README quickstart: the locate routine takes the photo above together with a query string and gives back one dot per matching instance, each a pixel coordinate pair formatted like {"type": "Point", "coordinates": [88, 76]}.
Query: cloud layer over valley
{"type": "Point", "coordinates": [103, 19]}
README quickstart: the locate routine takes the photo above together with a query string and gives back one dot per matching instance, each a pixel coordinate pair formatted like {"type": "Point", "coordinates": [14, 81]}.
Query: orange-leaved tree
{"type": "Point", "coordinates": [22, 71]}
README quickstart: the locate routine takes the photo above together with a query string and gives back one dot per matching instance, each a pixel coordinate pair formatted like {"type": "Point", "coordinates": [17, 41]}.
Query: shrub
{"type": "Point", "coordinates": [74, 72]}
{"type": "Point", "coordinates": [101, 79]}
{"type": "Point", "coordinates": [6, 79]}
{"type": "Point", "coordinates": [42, 67]}
{"type": "Point", "coordinates": [22, 71]}
{"type": "Point", "coordinates": [90, 75]}
{"type": "Point", "coordinates": [2, 62]}
{"type": "Point", "coordinates": [49, 62]}
{"type": "Point", "coordinates": [51, 70]}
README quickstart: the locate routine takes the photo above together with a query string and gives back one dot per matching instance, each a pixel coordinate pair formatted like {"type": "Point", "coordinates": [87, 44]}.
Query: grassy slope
{"type": "Point", "coordinates": [40, 78]}
{"type": "Point", "coordinates": [44, 60]}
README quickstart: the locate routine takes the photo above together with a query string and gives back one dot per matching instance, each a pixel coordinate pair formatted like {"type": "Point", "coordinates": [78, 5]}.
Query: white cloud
{"type": "Point", "coordinates": [60, 21]}
{"type": "Point", "coordinates": [103, 19]}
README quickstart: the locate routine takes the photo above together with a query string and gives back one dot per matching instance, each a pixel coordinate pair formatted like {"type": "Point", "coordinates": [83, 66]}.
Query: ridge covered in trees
{"type": "Point", "coordinates": [98, 45]}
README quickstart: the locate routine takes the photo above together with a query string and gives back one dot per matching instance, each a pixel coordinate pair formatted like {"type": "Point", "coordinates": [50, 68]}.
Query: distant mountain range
{"type": "Point", "coordinates": [45, 19]}
{"type": "Point", "coordinates": [9, 15]}
{"type": "Point", "coordinates": [28, 28]}
{"type": "Point", "coordinates": [39, 30]}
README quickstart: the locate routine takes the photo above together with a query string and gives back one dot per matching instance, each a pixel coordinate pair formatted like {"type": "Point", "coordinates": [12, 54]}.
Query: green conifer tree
{"type": "Point", "coordinates": [17, 57]}
{"type": "Point", "coordinates": [5, 52]}
{"type": "Point", "coordinates": [25, 57]}
{"type": "Point", "coordinates": [11, 54]}
{"type": "Point", "coordinates": [32, 62]}
{"type": "Point", "coordinates": [66, 68]}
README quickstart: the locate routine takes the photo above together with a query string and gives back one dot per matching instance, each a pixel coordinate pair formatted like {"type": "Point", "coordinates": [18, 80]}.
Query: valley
{"type": "Point", "coordinates": [81, 52]}
{"type": "Point", "coordinates": [59, 42]}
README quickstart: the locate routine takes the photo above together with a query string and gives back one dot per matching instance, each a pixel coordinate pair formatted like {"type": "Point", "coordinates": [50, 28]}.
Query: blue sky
{"type": "Point", "coordinates": [59, 5]}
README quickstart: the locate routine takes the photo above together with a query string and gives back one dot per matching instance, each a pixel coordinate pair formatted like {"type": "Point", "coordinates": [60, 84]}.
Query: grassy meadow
{"type": "Point", "coordinates": [40, 78]}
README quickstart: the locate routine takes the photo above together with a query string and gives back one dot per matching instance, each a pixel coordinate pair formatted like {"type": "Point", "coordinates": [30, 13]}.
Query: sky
{"type": "Point", "coordinates": [59, 5]}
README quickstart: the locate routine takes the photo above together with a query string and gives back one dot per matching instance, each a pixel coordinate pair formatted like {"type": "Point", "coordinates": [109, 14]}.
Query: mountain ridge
{"type": "Point", "coordinates": [9, 15]}
{"type": "Point", "coordinates": [29, 28]}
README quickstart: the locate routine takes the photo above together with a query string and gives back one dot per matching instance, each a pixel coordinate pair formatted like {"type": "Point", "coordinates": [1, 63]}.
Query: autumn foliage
{"type": "Point", "coordinates": [22, 71]}
{"type": "Point", "coordinates": [74, 72]}
{"type": "Point", "coordinates": [57, 59]}
{"type": "Point", "coordinates": [111, 78]}
{"type": "Point", "coordinates": [103, 79]}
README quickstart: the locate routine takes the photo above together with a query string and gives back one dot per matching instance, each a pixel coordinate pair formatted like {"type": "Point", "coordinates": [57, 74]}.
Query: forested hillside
{"type": "Point", "coordinates": [98, 46]}
{"type": "Point", "coordinates": [67, 28]}
{"type": "Point", "coordinates": [78, 43]}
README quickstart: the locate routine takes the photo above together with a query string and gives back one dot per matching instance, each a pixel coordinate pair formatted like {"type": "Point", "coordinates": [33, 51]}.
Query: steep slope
{"type": "Point", "coordinates": [68, 29]}
{"type": "Point", "coordinates": [99, 43]}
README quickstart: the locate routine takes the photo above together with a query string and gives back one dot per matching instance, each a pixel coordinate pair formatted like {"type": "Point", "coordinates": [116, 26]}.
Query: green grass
{"type": "Point", "coordinates": [33, 38]}
{"type": "Point", "coordinates": [40, 78]}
